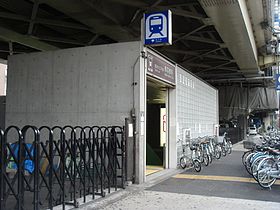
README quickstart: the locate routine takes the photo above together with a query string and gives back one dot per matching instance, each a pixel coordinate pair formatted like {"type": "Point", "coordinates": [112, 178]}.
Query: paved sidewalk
{"type": "Point", "coordinates": [152, 200]}
{"type": "Point", "coordinates": [224, 184]}
{"type": "Point", "coordinates": [239, 147]}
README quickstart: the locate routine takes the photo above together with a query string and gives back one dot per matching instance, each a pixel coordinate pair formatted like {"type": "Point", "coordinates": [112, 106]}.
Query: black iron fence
{"type": "Point", "coordinates": [45, 167]}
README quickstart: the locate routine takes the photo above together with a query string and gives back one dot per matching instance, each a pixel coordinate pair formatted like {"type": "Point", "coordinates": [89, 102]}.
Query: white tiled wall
{"type": "Point", "coordinates": [197, 107]}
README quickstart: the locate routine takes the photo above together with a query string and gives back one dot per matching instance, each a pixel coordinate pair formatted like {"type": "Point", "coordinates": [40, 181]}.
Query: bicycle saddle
{"type": "Point", "coordinates": [192, 148]}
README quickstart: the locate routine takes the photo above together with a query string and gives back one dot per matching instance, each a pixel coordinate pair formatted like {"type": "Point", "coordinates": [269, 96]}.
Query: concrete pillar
{"type": "Point", "coordinates": [141, 123]}
{"type": "Point", "coordinates": [172, 138]}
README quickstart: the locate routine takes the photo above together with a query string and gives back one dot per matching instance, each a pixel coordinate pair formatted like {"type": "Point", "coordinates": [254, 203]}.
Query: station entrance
{"type": "Point", "coordinates": [156, 127]}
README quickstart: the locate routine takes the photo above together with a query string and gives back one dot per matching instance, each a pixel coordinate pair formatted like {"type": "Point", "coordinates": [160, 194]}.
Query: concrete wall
{"type": "Point", "coordinates": [2, 111]}
{"type": "Point", "coordinates": [3, 69]}
{"type": "Point", "coordinates": [80, 86]}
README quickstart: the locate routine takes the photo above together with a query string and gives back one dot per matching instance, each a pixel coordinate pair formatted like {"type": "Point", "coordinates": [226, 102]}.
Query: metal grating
{"type": "Point", "coordinates": [215, 3]}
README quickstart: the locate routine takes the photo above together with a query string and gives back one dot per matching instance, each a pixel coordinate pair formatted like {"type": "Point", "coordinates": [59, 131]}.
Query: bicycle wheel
{"type": "Point", "coordinates": [224, 152]}
{"type": "Point", "coordinates": [210, 158]}
{"type": "Point", "coordinates": [206, 159]}
{"type": "Point", "coordinates": [229, 147]}
{"type": "Point", "coordinates": [244, 156]}
{"type": "Point", "coordinates": [248, 163]}
{"type": "Point", "coordinates": [183, 162]}
{"type": "Point", "coordinates": [197, 165]}
{"type": "Point", "coordinates": [264, 178]}
{"type": "Point", "coordinates": [218, 152]}
{"type": "Point", "coordinates": [255, 166]}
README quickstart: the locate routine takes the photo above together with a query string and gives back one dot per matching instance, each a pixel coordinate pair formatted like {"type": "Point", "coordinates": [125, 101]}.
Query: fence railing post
{"type": "Point", "coordinates": [49, 158]}
{"type": "Point", "coordinates": [2, 168]}
{"type": "Point", "coordinates": [35, 158]}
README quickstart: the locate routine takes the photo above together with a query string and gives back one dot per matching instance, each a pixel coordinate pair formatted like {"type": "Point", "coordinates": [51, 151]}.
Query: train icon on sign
{"type": "Point", "coordinates": [157, 28]}
{"type": "Point", "coordinates": [156, 25]}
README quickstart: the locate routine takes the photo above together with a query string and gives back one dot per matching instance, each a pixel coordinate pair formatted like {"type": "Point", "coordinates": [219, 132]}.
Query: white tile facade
{"type": "Point", "coordinates": [197, 107]}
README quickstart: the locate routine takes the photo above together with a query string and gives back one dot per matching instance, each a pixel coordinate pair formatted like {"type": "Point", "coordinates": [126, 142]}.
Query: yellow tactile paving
{"type": "Point", "coordinates": [152, 169]}
{"type": "Point", "coordinates": [218, 178]}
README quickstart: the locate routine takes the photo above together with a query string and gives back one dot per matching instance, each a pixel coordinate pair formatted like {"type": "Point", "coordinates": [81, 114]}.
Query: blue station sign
{"type": "Point", "coordinates": [277, 81]}
{"type": "Point", "coordinates": [158, 28]}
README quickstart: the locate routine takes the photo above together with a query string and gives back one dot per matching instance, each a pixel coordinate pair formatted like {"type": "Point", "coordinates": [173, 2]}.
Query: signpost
{"type": "Point", "coordinates": [158, 28]}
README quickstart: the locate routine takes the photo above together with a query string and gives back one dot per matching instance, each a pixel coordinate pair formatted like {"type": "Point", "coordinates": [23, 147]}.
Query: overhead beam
{"type": "Point", "coordinates": [183, 13]}
{"type": "Point", "coordinates": [156, 3]}
{"type": "Point", "coordinates": [59, 40]}
{"type": "Point", "coordinates": [200, 65]}
{"type": "Point", "coordinates": [228, 74]}
{"type": "Point", "coordinates": [25, 10]}
{"type": "Point", "coordinates": [141, 4]}
{"type": "Point", "coordinates": [13, 36]}
{"type": "Point", "coordinates": [240, 79]}
{"type": "Point", "coordinates": [188, 3]}
{"type": "Point", "coordinates": [203, 40]}
{"type": "Point", "coordinates": [8, 51]}
{"type": "Point", "coordinates": [193, 53]}
{"type": "Point", "coordinates": [93, 39]}
{"type": "Point", "coordinates": [189, 33]}
{"type": "Point", "coordinates": [218, 57]}
{"type": "Point", "coordinates": [83, 14]}
{"type": "Point", "coordinates": [132, 3]}
{"type": "Point", "coordinates": [139, 13]}
{"type": "Point", "coordinates": [93, 5]}
{"type": "Point", "coordinates": [175, 11]}
{"type": "Point", "coordinates": [11, 50]}
{"type": "Point", "coordinates": [214, 67]}
{"type": "Point", "coordinates": [232, 21]}
{"type": "Point", "coordinates": [229, 69]}
{"type": "Point", "coordinates": [107, 15]}
{"type": "Point", "coordinates": [187, 14]}
{"type": "Point", "coordinates": [202, 55]}
{"type": "Point", "coordinates": [207, 66]}
{"type": "Point", "coordinates": [269, 60]}
{"type": "Point", "coordinates": [33, 16]}
{"type": "Point", "coordinates": [44, 21]}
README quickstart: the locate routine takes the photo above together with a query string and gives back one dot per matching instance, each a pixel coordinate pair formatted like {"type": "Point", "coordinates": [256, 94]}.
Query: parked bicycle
{"type": "Point", "coordinates": [226, 145]}
{"type": "Point", "coordinates": [215, 148]}
{"type": "Point", "coordinates": [191, 161]}
{"type": "Point", "coordinates": [262, 162]}
{"type": "Point", "coordinates": [269, 170]}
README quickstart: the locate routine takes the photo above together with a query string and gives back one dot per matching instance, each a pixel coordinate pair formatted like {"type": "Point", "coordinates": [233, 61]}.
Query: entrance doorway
{"type": "Point", "coordinates": [157, 126]}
